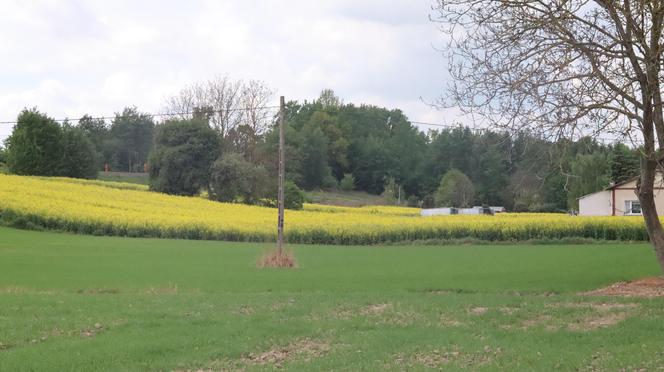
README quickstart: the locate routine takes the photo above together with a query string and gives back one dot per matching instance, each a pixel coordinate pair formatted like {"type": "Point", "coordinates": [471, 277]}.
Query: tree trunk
{"type": "Point", "coordinates": [645, 191]}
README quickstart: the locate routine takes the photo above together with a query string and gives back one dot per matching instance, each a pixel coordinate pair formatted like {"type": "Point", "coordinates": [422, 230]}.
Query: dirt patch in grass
{"type": "Point", "coordinates": [599, 306]}
{"type": "Point", "coordinates": [12, 289]}
{"type": "Point", "coordinates": [92, 331]}
{"type": "Point", "coordinates": [584, 316]}
{"type": "Point", "coordinates": [448, 321]}
{"type": "Point", "coordinates": [97, 291]}
{"type": "Point", "coordinates": [478, 310]}
{"type": "Point", "coordinates": [169, 289]}
{"type": "Point", "coordinates": [593, 322]}
{"type": "Point", "coordinates": [375, 309]}
{"type": "Point", "coordinates": [439, 359]}
{"type": "Point", "coordinates": [246, 310]}
{"type": "Point", "coordinates": [303, 349]}
{"type": "Point", "coordinates": [648, 287]}
{"type": "Point", "coordinates": [534, 322]}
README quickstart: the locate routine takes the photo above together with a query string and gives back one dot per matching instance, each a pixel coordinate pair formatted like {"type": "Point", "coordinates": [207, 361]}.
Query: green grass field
{"type": "Point", "coordinates": [97, 303]}
{"type": "Point", "coordinates": [345, 198]}
{"type": "Point", "coordinates": [138, 178]}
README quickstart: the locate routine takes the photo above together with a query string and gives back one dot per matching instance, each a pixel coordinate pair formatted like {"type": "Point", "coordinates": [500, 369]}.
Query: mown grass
{"type": "Point", "coordinates": [126, 177]}
{"type": "Point", "coordinates": [99, 303]}
{"type": "Point", "coordinates": [345, 198]}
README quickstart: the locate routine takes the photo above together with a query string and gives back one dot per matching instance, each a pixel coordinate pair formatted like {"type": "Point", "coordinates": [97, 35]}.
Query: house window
{"type": "Point", "coordinates": [632, 207]}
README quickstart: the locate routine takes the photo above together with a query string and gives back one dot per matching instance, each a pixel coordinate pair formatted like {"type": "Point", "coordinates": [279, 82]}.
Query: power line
{"type": "Point", "coordinates": [163, 114]}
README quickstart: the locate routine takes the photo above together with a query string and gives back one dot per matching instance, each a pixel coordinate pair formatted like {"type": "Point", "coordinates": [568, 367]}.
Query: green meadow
{"type": "Point", "coordinates": [80, 303]}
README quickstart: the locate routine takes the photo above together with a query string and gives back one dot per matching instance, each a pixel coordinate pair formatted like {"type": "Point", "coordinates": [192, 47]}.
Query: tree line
{"type": "Point", "coordinates": [221, 137]}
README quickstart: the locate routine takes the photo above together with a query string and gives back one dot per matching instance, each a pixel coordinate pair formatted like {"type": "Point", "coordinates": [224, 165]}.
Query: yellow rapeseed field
{"type": "Point", "coordinates": [107, 208]}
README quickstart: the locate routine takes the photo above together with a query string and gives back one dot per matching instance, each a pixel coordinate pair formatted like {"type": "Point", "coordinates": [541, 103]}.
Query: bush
{"type": "Point", "coordinates": [183, 153]}
{"type": "Point", "coordinates": [293, 196]}
{"type": "Point", "coordinates": [233, 178]}
{"type": "Point", "coordinates": [348, 182]}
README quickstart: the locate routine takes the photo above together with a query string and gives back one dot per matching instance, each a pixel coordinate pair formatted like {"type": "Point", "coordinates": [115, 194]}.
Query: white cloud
{"type": "Point", "coordinates": [73, 57]}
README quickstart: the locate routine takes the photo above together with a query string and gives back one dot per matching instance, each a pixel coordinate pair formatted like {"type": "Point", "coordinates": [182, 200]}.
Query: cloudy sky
{"type": "Point", "coordinates": [69, 58]}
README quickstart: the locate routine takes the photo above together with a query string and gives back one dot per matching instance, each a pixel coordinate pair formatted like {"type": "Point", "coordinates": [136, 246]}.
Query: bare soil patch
{"type": "Point", "coordinates": [478, 310]}
{"type": "Point", "coordinates": [648, 287]}
{"type": "Point", "coordinates": [594, 322]}
{"type": "Point", "coordinates": [439, 359]}
{"type": "Point", "coordinates": [167, 290]}
{"type": "Point", "coordinates": [306, 349]}
{"type": "Point", "coordinates": [375, 309]}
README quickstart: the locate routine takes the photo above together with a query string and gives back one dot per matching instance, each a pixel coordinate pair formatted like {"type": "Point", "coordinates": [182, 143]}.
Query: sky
{"type": "Point", "coordinates": [69, 58]}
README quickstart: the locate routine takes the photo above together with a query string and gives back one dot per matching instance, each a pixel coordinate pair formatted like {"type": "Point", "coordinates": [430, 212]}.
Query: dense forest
{"type": "Point", "coordinates": [329, 145]}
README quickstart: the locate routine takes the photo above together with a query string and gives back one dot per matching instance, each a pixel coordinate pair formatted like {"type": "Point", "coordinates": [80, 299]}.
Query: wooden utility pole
{"type": "Point", "coordinates": [282, 172]}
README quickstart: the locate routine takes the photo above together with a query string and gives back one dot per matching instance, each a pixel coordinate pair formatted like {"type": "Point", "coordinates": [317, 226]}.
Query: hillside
{"type": "Point", "coordinates": [108, 208]}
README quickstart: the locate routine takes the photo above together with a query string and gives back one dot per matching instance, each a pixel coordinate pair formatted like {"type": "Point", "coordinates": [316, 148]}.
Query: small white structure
{"type": "Point", "coordinates": [619, 200]}
{"type": "Point", "coordinates": [466, 211]}
{"type": "Point", "coordinates": [436, 212]}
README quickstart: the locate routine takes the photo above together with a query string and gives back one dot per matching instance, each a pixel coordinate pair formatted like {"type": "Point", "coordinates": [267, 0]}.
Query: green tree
{"type": "Point", "coordinates": [590, 173]}
{"type": "Point", "coordinates": [315, 168]}
{"type": "Point", "coordinates": [624, 162]}
{"type": "Point", "coordinates": [455, 190]}
{"type": "Point", "coordinates": [35, 145]}
{"type": "Point", "coordinates": [97, 132]}
{"type": "Point", "coordinates": [233, 179]}
{"type": "Point", "coordinates": [79, 158]}
{"type": "Point", "coordinates": [131, 137]}
{"type": "Point", "coordinates": [183, 153]}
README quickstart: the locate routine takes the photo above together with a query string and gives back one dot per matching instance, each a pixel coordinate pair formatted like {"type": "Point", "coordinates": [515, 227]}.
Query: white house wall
{"type": "Point", "coordinates": [597, 204]}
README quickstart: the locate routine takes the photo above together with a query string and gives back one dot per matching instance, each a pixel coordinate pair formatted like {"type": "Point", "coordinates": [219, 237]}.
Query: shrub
{"type": "Point", "coordinates": [293, 196]}
{"type": "Point", "coordinates": [348, 182]}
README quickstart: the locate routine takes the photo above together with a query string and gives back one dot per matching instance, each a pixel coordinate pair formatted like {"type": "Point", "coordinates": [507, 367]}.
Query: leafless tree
{"type": "Point", "coordinates": [255, 100]}
{"type": "Point", "coordinates": [226, 104]}
{"type": "Point", "coordinates": [219, 99]}
{"type": "Point", "coordinates": [565, 68]}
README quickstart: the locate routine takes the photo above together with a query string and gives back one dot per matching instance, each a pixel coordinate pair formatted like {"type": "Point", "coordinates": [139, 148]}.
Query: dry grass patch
{"type": "Point", "coordinates": [440, 359]}
{"type": "Point", "coordinates": [98, 291]}
{"type": "Point", "coordinates": [447, 321]}
{"type": "Point", "coordinates": [478, 310]}
{"type": "Point", "coordinates": [648, 288]}
{"type": "Point", "coordinates": [593, 322]}
{"type": "Point", "coordinates": [277, 259]}
{"type": "Point", "coordinates": [169, 289]}
{"type": "Point", "coordinates": [303, 349]}
{"type": "Point", "coordinates": [375, 309]}
{"type": "Point", "coordinates": [13, 289]}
